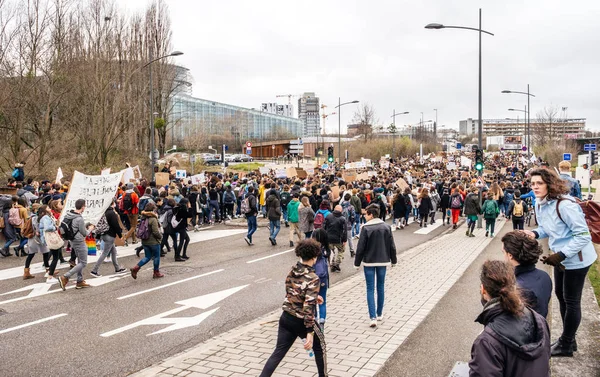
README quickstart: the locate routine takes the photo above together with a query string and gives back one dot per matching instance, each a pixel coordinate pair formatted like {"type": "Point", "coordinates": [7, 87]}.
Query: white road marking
{"type": "Point", "coordinates": [269, 256]}
{"type": "Point", "coordinates": [430, 228]}
{"type": "Point", "coordinates": [32, 323]}
{"type": "Point", "coordinates": [169, 284]}
{"type": "Point", "coordinates": [38, 268]}
{"type": "Point", "coordinates": [200, 302]}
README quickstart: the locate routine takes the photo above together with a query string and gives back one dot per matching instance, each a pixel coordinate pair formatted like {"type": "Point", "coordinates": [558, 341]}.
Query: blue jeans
{"type": "Point", "coordinates": [252, 226]}
{"type": "Point", "coordinates": [370, 274]}
{"type": "Point", "coordinates": [323, 306]}
{"type": "Point", "coordinates": [274, 226]}
{"type": "Point", "coordinates": [356, 226]}
{"type": "Point", "coordinates": [284, 212]}
{"type": "Point", "coordinates": [151, 252]}
{"type": "Point", "coordinates": [213, 204]}
{"type": "Point", "coordinates": [407, 215]}
{"type": "Point", "coordinates": [238, 210]}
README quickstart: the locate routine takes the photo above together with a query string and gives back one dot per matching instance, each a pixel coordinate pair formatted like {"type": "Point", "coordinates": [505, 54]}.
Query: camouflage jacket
{"type": "Point", "coordinates": [302, 290]}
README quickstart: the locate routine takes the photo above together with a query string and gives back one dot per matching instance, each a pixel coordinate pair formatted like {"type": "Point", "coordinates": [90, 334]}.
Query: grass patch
{"type": "Point", "coordinates": [249, 166]}
{"type": "Point", "coordinates": [594, 276]}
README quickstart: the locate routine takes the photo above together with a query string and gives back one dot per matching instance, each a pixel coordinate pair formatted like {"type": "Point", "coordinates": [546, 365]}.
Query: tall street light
{"type": "Point", "coordinates": [394, 130]}
{"type": "Point", "coordinates": [529, 95]}
{"type": "Point", "coordinates": [339, 107]}
{"type": "Point", "coordinates": [480, 31]}
{"type": "Point", "coordinates": [149, 65]}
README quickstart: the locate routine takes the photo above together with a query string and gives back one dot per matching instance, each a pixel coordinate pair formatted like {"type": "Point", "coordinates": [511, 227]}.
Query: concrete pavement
{"type": "Point", "coordinates": [423, 276]}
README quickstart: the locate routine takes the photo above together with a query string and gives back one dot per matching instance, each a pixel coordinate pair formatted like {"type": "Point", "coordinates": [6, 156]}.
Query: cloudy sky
{"type": "Point", "coordinates": [245, 52]}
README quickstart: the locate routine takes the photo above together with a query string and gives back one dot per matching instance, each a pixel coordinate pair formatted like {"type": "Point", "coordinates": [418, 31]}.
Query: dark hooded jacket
{"type": "Point", "coordinates": [510, 346]}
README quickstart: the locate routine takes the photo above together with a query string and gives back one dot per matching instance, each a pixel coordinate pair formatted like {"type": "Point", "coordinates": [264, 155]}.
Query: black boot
{"type": "Point", "coordinates": [574, 345]}
{"type": "Point", "coordinates": [562, 349]}
{"type": "Point", "coordinates": [138, 250]}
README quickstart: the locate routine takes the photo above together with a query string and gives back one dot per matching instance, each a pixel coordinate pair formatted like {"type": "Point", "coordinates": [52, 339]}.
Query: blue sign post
{"type": "Point", "coordinates": [567, 156]}
{"type": "Point", "coordinates": [589, 147]}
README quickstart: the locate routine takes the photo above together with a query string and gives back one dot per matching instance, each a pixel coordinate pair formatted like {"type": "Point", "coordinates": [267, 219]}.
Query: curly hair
{"type": "Point", "coordinates": [556, 186]}
{"type": "Point", "coordinates": [523, 248]}
{"type": "Point", "coordinates": [308, 249]}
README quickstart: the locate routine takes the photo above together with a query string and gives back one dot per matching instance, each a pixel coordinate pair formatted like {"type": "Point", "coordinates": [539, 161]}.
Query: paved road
{"type": "Point", "coordinates": [121, 325]}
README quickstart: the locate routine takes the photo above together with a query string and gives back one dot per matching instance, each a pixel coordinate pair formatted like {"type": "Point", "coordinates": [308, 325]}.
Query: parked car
{"type": "Point", "coordinates": [245, 158]}
{"type": "Point", "coordinates": [212, 162]}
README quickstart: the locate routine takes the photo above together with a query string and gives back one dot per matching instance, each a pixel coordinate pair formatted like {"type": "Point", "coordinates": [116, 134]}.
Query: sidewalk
{"type": "Point", "coordinates": [423, 276]}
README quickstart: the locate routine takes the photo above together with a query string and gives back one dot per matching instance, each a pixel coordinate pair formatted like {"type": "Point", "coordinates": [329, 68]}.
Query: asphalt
{"type": "Point", "coordinates": [72, 345]}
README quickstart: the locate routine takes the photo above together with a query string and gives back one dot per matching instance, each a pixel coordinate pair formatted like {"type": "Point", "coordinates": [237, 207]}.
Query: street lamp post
{"type": "Point", "coordinates": [395, 129]}
{"type": "Point", "coordinates": [339, 107]}
{"type": "Point", "coordinates": [479, 102]}
{"type": "Point", "coordinates": [527, 135]}
{"type": "Point", "coordinates": [149, 65]}
{"type": "Point", "coordinates": [529, 95]}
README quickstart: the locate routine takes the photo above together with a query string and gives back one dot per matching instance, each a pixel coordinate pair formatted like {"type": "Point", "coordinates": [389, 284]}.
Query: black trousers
{"type": "Point", "coordinates": [291, 328]}
{"type": "Point", "coordinates": [165, 241]}
{"type": "Point", "coordinates": [568, 288]}
{"type": "Point", "coordinates": [184, 241]}
{"type": "Point", "coordinates": [518, 223]}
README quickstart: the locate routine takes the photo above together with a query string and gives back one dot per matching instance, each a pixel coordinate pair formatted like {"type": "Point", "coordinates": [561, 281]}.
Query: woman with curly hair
{"type": "Point", "coordinates": [561, 220]}
{"type": "Point", "coordinates": [523, 253]}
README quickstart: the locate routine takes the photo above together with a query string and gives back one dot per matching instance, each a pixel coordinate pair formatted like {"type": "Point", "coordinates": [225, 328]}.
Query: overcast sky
{"type": "Point", "coordinates": [245, 52]}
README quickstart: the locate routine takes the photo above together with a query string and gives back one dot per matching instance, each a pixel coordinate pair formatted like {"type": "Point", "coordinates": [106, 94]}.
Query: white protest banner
{"type": "Point", "coordinates": [371, 174]}
{"type": "Point", "coordinates": [347, 166]}
{"type": "Point", "coordinates": [464, 161]}
{"type": "Point", "coordinates": [451, 166]}
{"type": "Point", "coordinates": [310, 171]}
{"type": "Point", "coordinates": [280, 173]}
{"type": "Point", "coordinates": [98, 192]}
{"type": "Point", "coordinates": [198, 179]}
{"type": "Point", "coordinates": [105, 171]}
{"type": "Point", "coordinates": [384, 164]}
{"type": "Point", "coordinates": [137, 173]}
{"type": "Point", "coordinates": [180, 174]}
{"type": "Point", "coordinates": [59, 176]}
{"type": "Point", "coordinates": [264, 170]}
{"type": "Point", "coordinates": [366, 161]}
{"type": "Point", "coordinates": [128, 175]}
{"type": "Point", "coordinates": [361, 164]}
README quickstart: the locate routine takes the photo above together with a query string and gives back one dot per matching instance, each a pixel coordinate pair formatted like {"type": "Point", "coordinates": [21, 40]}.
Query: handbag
{"type": "Point", "coordinates": [53, 240]}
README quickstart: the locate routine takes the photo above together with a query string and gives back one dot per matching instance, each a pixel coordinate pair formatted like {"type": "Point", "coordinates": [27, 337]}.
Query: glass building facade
{"type": "Point", "coordinates": [192, 115]}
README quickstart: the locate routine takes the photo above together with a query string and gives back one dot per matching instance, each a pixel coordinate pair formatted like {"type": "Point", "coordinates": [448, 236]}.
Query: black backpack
{"type": "Point", "coordinates": [66, 229]}
{"type": "Point", "coordinates": [127, 202]}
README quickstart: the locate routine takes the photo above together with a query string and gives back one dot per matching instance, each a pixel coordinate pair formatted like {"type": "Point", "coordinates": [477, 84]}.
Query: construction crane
{"type": "Point", "coordinates": [324, 116]}
{"type": "Point", "coordinates": [289, 96]}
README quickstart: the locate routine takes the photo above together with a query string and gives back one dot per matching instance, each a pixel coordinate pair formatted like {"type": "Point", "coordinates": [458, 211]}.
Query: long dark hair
{"type": "Point", "coordinates": [556, 186]}
{"type": "Point", "coordinates": [320, 235]}
{"type": "Point", "coordinates": [499, 281]}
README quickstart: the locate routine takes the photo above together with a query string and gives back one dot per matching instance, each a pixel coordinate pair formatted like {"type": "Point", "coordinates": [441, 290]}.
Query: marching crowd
{"type": "Point", "coordinates": [325, 213]}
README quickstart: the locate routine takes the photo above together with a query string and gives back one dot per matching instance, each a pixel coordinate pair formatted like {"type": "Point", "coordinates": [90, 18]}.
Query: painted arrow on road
{"type": "Point", "coordinates": [178, 323]}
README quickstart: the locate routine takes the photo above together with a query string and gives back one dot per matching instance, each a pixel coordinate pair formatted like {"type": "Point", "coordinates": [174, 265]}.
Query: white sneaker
{"type": "Point", "coordinates": [373, 323]}
{"type": "Point", "coordinates": [51, 281]}
{"type": "Point", "coordinates": [47, 275]}
{"type": "Point", "coordinates": [380, 318]}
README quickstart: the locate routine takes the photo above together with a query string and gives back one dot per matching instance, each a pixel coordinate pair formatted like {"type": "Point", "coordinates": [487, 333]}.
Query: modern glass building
{"type": "Point", "coordinates": [192, 115]}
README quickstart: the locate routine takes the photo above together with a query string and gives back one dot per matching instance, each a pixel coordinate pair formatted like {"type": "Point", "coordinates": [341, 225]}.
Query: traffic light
{"type": "Point", "coordinates": [594, 158]}
{"type": "Point", "coordinates": [330, 154]}
{"type": "Point", "coordinates": [479, 160]}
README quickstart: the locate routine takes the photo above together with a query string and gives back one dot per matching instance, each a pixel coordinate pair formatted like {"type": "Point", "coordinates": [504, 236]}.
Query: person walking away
{"type": "Point", "coordinates": [335, 226]}
{"type": "Point", "coordinates": [456, 205]}
{"type": "Point", "coordinates": [165, 214]}
{"type": "Point", "coordinates": [17, 217]}
{"type": "Point", "coordinates": [306, 217]}
{"type": "Point", "coordinates": [286, 197]}
{"type": "Point", "coordinates": [517, 210]}
{"type": "Point", "coordinates": [435, 204]}
{"type": "Point", "coordinates": [179, 222]}
{"type": "Point", "coordinates": [356, 203]}
{"type": "Point", "coordinates": [376, 251]}
{"type": "Point", "coordinates": [509, 196]}
{"type": "Point", "coordinates": [515, 340]}
{"type": "Point", "coordinates": [349, 216]}
{"type": "Point", "coordinates": [74, 229]}
{"type": "Point", "coordinates": [274, 215]}
{"type": "Point", "coordinates": [321, 214]}
{"type": "Point", "coordinates": [250, 210]}
{"type": "Point", "coordinates": [398, 210]}
{"type": "Point", "coordinates": [322, 271]}
{"type": "Point", "coordinates": [472, 210]}
{"type": "Point", "coordinates": [110, 222]}
{"type": "Point", "coordinates": [535, 285]}
{"type": "Point", "coordinates": [572, 184]}
{"type": "Point", "coordinates": [490, 213]}
{"type": "Point", "coordinates": [41, 222]}
{"type": "Point", "coordinates": [445, 206]}
{"type": "Point", "coordinates": [152, 242]}
{"type": "Point", "coordinates": [195, 209]}
{"type": "Point", "coordinates": [129, 206]}
{"type": "Point", "coordinates": [561, 220]}
{"type": "Point", "coordinates": [293, 219]}
{"type": "Point", "coordinates": [213, 204]}
{"type": "Point", "coordinates": [409, 203]}
{"type": "Point", "coordinates": [298, 317]}
{"type": "Point", "coordinates": [425, 206]}
{"type": "Point", "coordinates": [56, 207]}
{"type": "Point", "coordinates": [228, 201]}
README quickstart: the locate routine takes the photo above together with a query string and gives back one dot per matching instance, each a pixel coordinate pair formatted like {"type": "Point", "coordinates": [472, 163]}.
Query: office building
{"type": "Point", "coordinates": [192, 115]}
{"type": "Point", "coordinates": [308, 113]}
{"type": "Point", "coordinates": [569, 128]}
{"type": "Point", "coordinates": [274, 108]}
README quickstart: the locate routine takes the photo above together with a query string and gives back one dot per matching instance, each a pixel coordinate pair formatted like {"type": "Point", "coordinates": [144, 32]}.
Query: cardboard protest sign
{"type": "Point", "coordinates": [363, 176]}
{"type": "Point", "coordinates": [128, 175]}
{"type": "Point", "coordinates": [335, 192]}
{"type": "Point", "coordinates": [349, 176]}
{"type": "Point", "coordinates": [310, 171]}
{"type": "Point", "coordinates": [280, 173]}
{"type": "Point", "coordinates": [503, 171]}
{"type": "Point", "coordinates": [371, 174]}
{"type": "Point", "coordinates": [489, 172]}
{"type": "Point", "coordinates": [180, 174]}
{"type": "Point", "coordinates": [301, 173]}
{"type": "Point", "coordinates": [162, 179]}
{"type": "Point", "coordinates": [347, 166]}
{"type": "Point", "coordinates": [291, 172]}
{"type": "Point", "coordinates": [465, 174]}
{"type": "Point", "coordinates": [264, 170]}
{"type": "Point", "coordinates": [401, 183]}
{"type": "Point", "coordinates": [451, 166]}
{"type": "Point", "coordinates": [98, 192]}
{"type": "Point", "coordinates": [137, 173]}
{"type": "Point", "coordinates": [464, 161]}
{"type": "Point", "coordinates": [198, 179]}
{"type": "Point", "coordinates": [360, 165]}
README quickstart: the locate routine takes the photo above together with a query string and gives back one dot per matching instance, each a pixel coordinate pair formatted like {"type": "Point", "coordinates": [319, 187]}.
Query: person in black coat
{"type": "Point", "coordinates": [445, 205]}
{"type": "Point", "coordinates": [523, 253]}
{"type": "Point", "coordinates": [165, 214]}
{"type": "Point", "coordinates": [398, 209]}
{"type": "Point", "coordinates": [181, 215]}
{"type": "Point", "coordinates": [425, 206]}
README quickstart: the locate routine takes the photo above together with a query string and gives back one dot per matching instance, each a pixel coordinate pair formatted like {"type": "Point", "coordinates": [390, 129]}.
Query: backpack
{"type": "Point", "coordinates": [28, 231]}
{"type": "Point", "coordinates": [591, 212]}
{"type": "Point", "coordinates": [518, 209]}
{"type": "Point", "coordinates": [102, 226]}
{"type": "Point", "coordinates": [15, 174]}
{"type": "Point", "coordinates": [321, 269]}
{"type": "Point", "coordinates": [174, 222]}
{"type": "Point", "coordinates": [66, 229]}
{"type": "Point", "coordinates": [245, 207]}
{"type": "Point", "coordinates": [143, 230]}
{"type": "Point", "coordinates": [229, 197]}
{"type": "Point", "coordinates": [127, 202]}
{"type": "Point", "coordinates": [349, 213]}
{"type": "Point", "coordinates": [164, 219]}
{"type": "Point", "coordinates": [13, 217]}
{"type": "Point", "coordinates": [142, 203]}
{"type": "Point", "coordinates": [285, 198]}
{"type": "Point", "coordinates": [456, 202]}
{"type": "Point", "coordinates": [319, 220]}
{"type": "Point", "coordinates": [407, 200]}
{"type": "Point", "coordinates": [508, 197]}
{"type": "Point", "coordinates": [490, 209]}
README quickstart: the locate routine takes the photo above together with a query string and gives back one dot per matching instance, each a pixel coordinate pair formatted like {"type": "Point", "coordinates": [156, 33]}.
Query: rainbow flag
{"type": "Point", "coordinates": [90, 242]}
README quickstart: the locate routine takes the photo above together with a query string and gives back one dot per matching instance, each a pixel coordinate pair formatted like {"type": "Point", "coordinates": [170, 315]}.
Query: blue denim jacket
{"type": "Point", "coordinates": [568, 236]}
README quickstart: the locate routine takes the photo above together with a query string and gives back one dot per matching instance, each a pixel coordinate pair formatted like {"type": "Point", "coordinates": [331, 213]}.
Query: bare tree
{"type": "Point", "coordinates": [546, 129]}
{"type": "Point", "coordinates": [365, 117]}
